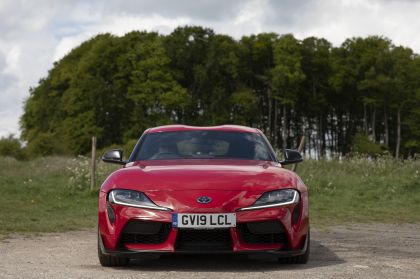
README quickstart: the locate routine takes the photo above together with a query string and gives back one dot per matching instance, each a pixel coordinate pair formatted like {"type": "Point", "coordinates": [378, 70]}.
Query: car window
{"type": "Point", "coordinates": [213, 147]}
{"type": "Point", "coordinates": [203, 144]}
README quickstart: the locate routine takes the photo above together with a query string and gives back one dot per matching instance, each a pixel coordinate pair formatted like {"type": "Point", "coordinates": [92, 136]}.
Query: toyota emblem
{"type": "Point", "coordinates": [203, 199]}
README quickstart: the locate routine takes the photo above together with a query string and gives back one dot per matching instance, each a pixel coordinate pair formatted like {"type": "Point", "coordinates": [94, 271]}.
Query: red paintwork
{"type": "Point", "coordinates": [225, 128]}
{"type": "Point", "coordinates": [176, 184]}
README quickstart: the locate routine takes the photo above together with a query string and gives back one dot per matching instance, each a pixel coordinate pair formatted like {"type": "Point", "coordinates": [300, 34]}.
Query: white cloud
{"type": "Point", "coordinates": [339, 20]}
{"type": "Point", "coordinates": [118, 25]}
{"type": "Point", "coordinates": [34, 34]}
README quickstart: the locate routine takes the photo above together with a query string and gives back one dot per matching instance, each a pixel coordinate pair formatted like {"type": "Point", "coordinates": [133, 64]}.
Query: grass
{"type": "Point", "coordinates": [37, 196]}
{"type": "Point", "coordinates": [362, 190]}
{"type": "Point", "coordinates": [49, 194]}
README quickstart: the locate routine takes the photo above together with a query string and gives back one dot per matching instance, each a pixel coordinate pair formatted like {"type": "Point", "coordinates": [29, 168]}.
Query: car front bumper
{"type": "Point", "coordinates": [294, 239]}
{"type": "Point", "coordinates": [140, 253]}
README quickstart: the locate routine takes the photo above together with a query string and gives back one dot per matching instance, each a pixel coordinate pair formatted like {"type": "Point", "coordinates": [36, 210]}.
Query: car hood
{"type": "Point", "coordinates": [213, 174]}
{"type": "Point", "coordinates": [178, 183]}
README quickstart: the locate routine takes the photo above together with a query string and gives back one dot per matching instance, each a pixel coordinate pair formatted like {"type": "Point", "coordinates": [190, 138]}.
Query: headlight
{"type": "Point", "coordinates": [133, 198]}
{"type": "Point", "coordinates": [275, 198]}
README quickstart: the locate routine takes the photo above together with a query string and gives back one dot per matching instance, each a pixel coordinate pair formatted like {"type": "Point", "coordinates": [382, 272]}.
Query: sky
{"type": "Point", "coordinates": [34, 34]}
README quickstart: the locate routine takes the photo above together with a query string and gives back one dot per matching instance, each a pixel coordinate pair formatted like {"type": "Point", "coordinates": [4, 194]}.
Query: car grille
{"type": "Point", "coordinates": [271, 232]}
{"type": "Point", "coordinates": [140, 232]}
{"type": "Point", "coordinates": [204, 240]}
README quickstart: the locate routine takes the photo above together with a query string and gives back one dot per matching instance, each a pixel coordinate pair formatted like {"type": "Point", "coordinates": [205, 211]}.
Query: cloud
{"type": "Point", "coordinates": [118, 25]}
{"type": "Point", "coordinates": [6, 79]}
{"type": "Point", "coordinates": [34, 34]}
{"type": "Point", "coordinates": [341, 19]}
{"type": "Point", "coordinates": [213, 10]}
{"type": "Point", "coordinates": [7, 82]}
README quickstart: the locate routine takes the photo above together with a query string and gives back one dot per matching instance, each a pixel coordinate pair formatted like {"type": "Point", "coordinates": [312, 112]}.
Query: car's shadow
{"type": "Point", "coordinates": [320, 256]}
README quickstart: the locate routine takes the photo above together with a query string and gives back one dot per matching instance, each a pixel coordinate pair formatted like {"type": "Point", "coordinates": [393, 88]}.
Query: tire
{"type": "Point", "coordinates": [301, 259]}
{"type": "Point", "coordinates": [110, 261]}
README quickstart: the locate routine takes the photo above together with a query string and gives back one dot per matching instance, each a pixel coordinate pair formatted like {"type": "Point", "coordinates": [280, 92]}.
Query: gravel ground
{"type": "Point", "coordinates": [356, 251]}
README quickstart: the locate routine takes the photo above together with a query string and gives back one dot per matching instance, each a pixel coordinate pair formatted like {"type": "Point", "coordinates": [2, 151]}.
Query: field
{"type": "Point", "coordinates": [46, 195]}
{"type": "Point", "coordinates": [362, 190]}
{"type": "Point", "coordinates": [52, 194]}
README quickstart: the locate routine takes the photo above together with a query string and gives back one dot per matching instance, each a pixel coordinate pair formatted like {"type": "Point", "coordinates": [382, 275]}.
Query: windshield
{"type": "Point", "coordinates": [203, 145]}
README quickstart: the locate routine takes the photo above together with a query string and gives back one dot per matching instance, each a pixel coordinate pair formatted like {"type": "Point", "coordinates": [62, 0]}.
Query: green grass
{"type": "Point", "coordinates": [362, 190]}
{"type": "Point", "coordinates": [36, 196]}
{"type": "Point", "coordinates": [49, 194]}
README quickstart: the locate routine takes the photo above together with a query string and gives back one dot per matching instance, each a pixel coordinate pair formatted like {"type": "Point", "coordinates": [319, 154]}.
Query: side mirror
{"type": "Point", "coordinates": [291, 157]}
{"type": "Point", "coordinates": [114, 156]}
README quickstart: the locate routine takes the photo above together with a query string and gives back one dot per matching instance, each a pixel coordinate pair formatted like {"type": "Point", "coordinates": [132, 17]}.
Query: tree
{"type": "Point", "coordinates": [315, 96]}
{"type": "Point", "coordinates": [405, 86]}
{"type": "Point", "coordinates": [374, 65]}
{"type": "Point", "coordinates": [187, 49]}
{"type": "Point", "coordinates": [254, 72]}
{"type": "Point", "coordinates": [286, 79]}
{"type": "Point", "coordinates": [156, 97]}
{"type": "Point", "coordinates": [244, 105]}
{"type": "Point", "coordinates": [115, 87]}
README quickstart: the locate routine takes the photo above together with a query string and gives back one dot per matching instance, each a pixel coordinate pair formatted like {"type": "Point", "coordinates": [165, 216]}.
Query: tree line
{"type": "Point", "coordinates": [116, 87]}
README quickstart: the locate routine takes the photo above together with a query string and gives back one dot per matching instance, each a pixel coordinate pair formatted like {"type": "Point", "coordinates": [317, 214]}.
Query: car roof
{"type": "Point", "coordinates": [224, 128]}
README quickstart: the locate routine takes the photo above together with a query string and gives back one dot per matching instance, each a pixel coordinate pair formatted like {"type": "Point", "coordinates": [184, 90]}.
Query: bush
{"type": "Point", "coordinates": [129, 146]}
{"type": "Point", "coordinates": [363, 145]}
{"type": "Point", "coordinates": [45, 144]}
{"type": "Point", "coordinates": [11, 147]}
{"type": "Point", "coordinates": [80, 176]}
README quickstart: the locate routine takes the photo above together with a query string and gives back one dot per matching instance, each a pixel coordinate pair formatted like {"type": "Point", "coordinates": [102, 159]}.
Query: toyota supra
{"type": "Point", "coordinates": [201, 190]}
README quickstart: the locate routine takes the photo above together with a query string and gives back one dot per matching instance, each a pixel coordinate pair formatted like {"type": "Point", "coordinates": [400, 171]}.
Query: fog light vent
{"type": "Point", "coordinates": [111, 214]}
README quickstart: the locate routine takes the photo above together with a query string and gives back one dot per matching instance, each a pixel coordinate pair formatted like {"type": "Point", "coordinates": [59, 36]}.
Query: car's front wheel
{"type": "Point", "coordinates": [108, 260]}
{"type": "Point", "coordinates": [301, 259]}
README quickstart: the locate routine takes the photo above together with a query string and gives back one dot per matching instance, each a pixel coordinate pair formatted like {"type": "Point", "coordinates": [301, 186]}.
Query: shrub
{"type": "Point", "coordinates": [80, 173]}
{"type": "Point", "coordinates": [363, 145]}
{"type": "Point", "coordinates": [11, 147]}
{"type": "Point", "coordinates": [129, 146]}
{"type": "Point", "coordinates": [45, 144]}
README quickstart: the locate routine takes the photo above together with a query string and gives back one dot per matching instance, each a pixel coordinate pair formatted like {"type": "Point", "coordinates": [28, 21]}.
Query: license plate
{"type": "Point", "coordinates": [204, 221]}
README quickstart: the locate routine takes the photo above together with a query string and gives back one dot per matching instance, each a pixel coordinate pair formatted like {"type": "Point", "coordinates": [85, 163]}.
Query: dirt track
{"type": "Point", "coordinates": [358, 251]}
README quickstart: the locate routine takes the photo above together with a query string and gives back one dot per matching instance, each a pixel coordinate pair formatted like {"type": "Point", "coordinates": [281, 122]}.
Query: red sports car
{"type": "Point", "coordinates": [202, 190]}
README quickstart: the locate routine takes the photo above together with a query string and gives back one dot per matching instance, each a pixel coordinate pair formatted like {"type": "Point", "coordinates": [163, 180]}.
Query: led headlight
{"type": "Point", "coordinates": [275, 198]}
{"type": "Point", "coordinates": [133, 198]}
